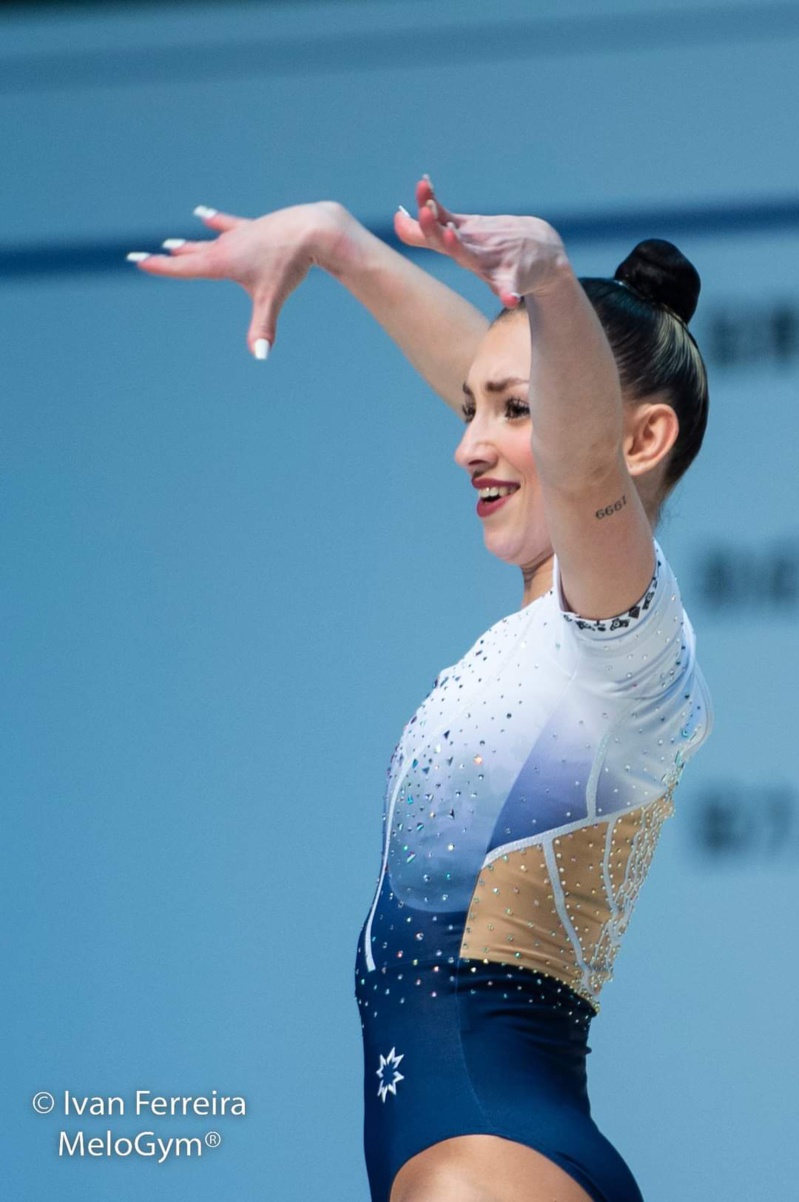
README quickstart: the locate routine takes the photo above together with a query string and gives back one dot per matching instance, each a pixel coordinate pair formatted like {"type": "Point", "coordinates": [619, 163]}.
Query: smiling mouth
{"type": "Point", "coordinates": [492, 491]}
{"type": "Point", "coordinates": [489, 505]}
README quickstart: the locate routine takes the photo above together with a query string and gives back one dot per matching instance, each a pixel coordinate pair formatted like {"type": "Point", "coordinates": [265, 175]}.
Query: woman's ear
{"type": "Point", "coordinates": [651, 430]}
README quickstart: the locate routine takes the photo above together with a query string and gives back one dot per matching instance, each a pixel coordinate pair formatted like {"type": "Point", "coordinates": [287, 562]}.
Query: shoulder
{"type": "Point", "coordinates": [663, 581]}
{"type": "Point", "coordinates": [639, 667]}
{"type": "Point", "coordinates": [643, 649]}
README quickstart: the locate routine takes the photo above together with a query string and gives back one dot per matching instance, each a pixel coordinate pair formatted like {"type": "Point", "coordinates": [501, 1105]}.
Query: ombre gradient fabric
{"type": "Point", "coordinates": [523, 804]}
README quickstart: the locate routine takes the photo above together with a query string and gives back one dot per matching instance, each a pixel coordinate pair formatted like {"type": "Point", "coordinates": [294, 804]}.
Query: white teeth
{"type": "Point", "coordinates": [488, 493]}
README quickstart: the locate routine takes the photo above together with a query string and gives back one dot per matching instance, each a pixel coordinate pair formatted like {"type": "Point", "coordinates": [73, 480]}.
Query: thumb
{"type": "Point", "coordinates": [408, 230]}
{"type": "Point", "coordinates": [263, 327]}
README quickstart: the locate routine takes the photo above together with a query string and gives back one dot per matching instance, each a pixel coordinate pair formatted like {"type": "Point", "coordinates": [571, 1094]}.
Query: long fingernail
{"type": "Point", "coordinates": [136, 256]}
{"type": "Point", "coordinates": [173, 243]}
{"type": "Point", "coordinates": [428, 180]}
{"type": "Point", "coordinates": [433, 207]}
{"type": "Point", "coordinates": [403, 210]}
{"type": "Point", "coordinates": [204, 211]}
{"type": "Point", "coordinates": [261, 348]}
{"type": "Point", "coordinates": [516, 295]}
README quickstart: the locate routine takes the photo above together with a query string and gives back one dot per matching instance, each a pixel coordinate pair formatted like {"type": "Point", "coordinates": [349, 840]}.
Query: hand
{"type": "Point", "coordinates": [268, 256]}
{"type": "Point", "coordinates": [515, 256]}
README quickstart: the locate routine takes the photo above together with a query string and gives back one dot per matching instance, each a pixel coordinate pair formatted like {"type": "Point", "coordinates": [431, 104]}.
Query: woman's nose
{"type": "Point", "coordinates": [474, 448]}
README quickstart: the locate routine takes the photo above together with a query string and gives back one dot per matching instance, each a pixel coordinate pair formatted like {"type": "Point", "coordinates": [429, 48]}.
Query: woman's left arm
{"type": "Point", "coordinates": [597, 522]}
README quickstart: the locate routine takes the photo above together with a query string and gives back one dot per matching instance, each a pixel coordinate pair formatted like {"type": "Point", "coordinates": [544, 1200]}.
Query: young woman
{"type": "Point", "coordinates": [526, 794]}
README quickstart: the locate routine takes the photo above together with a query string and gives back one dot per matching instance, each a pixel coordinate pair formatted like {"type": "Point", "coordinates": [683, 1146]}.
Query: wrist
{"type": "Point", "coordinates": [337, 240]}
{"type": "Point", "coordinates": [555, 278]}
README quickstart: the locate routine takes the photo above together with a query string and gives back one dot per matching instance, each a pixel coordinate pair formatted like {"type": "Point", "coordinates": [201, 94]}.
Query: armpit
{"type": "Point", "coordinates": [628, 617]}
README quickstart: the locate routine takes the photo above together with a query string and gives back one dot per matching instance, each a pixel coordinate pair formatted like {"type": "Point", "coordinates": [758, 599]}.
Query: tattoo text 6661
{"type": "Point", "coordinates": [614, 508]}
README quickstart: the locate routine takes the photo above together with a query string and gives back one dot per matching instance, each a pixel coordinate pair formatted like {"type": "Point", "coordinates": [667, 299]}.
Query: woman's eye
{"type": "Point", "coordinates": [514, 407]}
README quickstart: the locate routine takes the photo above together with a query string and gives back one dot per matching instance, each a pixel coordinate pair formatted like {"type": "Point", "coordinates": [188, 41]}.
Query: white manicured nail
{"type": "Point", "coordinates": [261, 348]}
{"type": "Point", "coordinates": [433, 207]}
{"type": "Point", "coordinates": [204, 211]}
{"type": "Point", "coordinates": [173, 243]}
{"type": "Point", "coordinates": [429, 181]}
{"type": "Point", "coordinates": [451, 226]}
{"type": "Point", "coordinates": [136, 256]}
{"type": "Point", "coordinates": [516, 295]}
{"type": "Point", "coordinates": [403, 210]}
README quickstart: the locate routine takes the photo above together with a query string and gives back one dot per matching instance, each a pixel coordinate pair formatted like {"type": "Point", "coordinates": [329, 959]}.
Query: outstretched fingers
{"type": "Point", "coordinates": [216, 220]}
{"type": "Point", "coordinates": [194, 258]}
{"type": "Point", "coordinates": [433, 227]}
{"type": "Point", "coordinates": [183, 246]}
{"type": "Point", "coordinates": [448, 239]}
{"type": "Point", "coordinates": [469, 241]}
{"type": "Point", "coordinates": [186, 261]}
{"type": "Point", "coordinates": [407, 228]}
{"type": "Point", "coordinates": [425, 194]}
{"type": "Point", "coordinates": [434, 219]}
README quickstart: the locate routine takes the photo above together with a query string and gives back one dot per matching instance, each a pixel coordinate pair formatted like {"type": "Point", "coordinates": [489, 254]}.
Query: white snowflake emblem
{"type": "Point", "coordinates": [388, 1066]}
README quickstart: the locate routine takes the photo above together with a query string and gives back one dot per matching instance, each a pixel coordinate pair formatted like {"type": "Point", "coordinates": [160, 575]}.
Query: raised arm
{"type": "Point", "coordinates": [583, 439]}
{"type": "Point", "coordinates": [269, 256]}
{"type": "Point", "coordinates": [595, 516]}
{"type": "Point", "coordinates": [436, 329]}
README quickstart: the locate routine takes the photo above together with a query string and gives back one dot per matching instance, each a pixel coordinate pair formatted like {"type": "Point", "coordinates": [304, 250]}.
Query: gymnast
{"type": "Point", "coordinates": [526, 794]}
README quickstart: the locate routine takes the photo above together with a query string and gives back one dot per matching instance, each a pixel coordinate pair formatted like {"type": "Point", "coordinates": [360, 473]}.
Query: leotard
{"type": "Point", "coordinates": [523, 803]}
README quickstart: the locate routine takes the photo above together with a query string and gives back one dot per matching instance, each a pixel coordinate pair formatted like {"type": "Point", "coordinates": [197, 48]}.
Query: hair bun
{"type": "Point", "coordinates": [660, 273]}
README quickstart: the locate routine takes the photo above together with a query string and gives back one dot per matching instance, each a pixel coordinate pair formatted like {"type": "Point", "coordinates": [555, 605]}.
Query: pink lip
{"type": "Point", "coordinates": [486, 508]}
{"type": "Point", "coordinates": [490, 482]}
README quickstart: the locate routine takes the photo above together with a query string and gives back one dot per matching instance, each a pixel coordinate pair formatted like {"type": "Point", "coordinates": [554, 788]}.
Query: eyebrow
{"type": "Point", "coordinates": [497, 385]}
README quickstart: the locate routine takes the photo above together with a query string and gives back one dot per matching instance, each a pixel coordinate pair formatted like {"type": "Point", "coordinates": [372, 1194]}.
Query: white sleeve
{"type": "Point", "coordinates": [642, 651]}
{"type": "Point", "coordinates": [640, 669]}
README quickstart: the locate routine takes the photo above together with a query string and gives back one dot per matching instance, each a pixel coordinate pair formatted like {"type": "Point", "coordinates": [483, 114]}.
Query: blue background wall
{"type": "Point", "coordinates": [227, 585]}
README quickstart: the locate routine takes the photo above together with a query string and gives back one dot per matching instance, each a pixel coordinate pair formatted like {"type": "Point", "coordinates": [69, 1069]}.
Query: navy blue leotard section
{"type": "Point", "coordinates": [471, 1049]}
{"type": "Point", "coordinates": [522, 806]}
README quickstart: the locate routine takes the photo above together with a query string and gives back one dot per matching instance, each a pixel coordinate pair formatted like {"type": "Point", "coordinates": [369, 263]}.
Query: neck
{"type": "Point", "coordinates": [537, 577]}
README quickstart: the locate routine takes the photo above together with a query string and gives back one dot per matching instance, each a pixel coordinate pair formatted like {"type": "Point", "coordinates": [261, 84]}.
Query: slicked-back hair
{"type": "Point", "coordinates": [655, 354]}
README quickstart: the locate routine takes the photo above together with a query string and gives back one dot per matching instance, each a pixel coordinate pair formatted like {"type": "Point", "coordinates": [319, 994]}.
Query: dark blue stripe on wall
{"type": "Point", "coordinates": [443, 46]}
{"type": "Point", "coordinates": [715, 220]}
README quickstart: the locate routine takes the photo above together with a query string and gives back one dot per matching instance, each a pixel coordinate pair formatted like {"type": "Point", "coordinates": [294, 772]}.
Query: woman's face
{"type": "Point", "coordinates": [496, 443]}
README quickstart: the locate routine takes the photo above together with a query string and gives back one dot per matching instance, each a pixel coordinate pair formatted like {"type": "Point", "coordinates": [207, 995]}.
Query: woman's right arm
{"type": "Point", "coordinates": [436, 329]}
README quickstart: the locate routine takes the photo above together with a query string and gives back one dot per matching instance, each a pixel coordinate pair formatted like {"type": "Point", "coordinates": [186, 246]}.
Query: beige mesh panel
{"type": "Point", "coordinates": [513, 915]}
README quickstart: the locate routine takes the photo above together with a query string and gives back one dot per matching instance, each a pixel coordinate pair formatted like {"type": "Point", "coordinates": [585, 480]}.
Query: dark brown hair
{"type": "Point", "coordinates": [644, 311]}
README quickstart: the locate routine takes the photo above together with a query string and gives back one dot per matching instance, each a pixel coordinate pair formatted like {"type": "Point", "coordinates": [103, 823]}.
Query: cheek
{"type": "Point", "coordinates": [525, 459]}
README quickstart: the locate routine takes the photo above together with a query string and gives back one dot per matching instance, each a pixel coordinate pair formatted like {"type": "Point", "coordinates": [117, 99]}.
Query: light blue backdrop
{"type": "Point", "coordinates": [227, 585]}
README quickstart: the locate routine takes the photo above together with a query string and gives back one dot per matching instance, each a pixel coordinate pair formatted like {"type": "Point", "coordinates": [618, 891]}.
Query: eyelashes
{"type": "Point", "coordinates": [514, 407]}
{"type": "Point", "coordinates": [517, 407]}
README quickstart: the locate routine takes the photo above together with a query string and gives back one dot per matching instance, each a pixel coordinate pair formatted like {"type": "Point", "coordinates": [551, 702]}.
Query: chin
{"type": "Point", "coordinates": [508, 552]}
{"type": "Point", "coordinates": [518, 550]}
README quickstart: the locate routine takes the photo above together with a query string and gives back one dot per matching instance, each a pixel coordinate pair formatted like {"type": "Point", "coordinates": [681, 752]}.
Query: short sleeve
{"type": "Point", "coordinates": [646, 648]}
